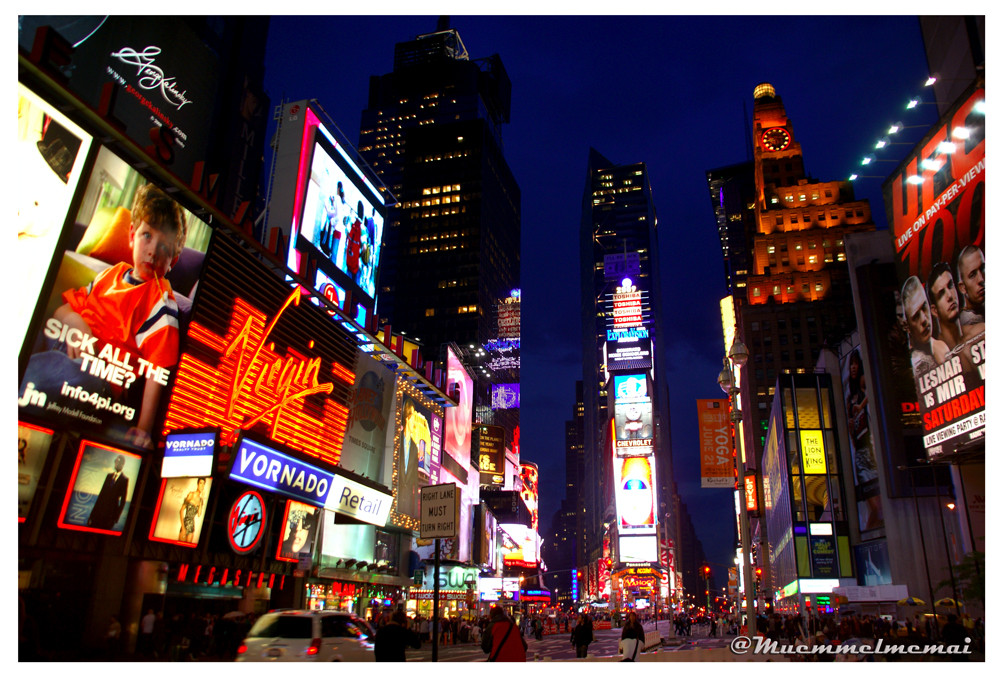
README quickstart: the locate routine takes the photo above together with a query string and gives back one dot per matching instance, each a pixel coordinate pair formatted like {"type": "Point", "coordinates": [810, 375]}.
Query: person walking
{"type": "Point", "coordinates": [582, 635]}
{"type": "Point", "coordinates": [633, 638]}
{"type": "Point", "coordinates": [393, 638]}
{"type": "Point", "coordinates": [146, 627]}
{"type": "Point", "coordinates": [502, 641]}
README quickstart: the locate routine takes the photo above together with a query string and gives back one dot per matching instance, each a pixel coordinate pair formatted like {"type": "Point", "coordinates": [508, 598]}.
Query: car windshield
{"type": "Point", "coordinates": [281, 625]}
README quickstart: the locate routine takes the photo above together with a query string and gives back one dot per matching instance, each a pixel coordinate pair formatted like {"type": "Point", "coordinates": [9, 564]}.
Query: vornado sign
{"type": "Point", "coordinates": [266, 468]}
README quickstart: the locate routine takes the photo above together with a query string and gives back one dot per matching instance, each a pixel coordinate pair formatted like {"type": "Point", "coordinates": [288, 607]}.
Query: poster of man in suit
{"type": "Point", "coordinates": [101, 490]}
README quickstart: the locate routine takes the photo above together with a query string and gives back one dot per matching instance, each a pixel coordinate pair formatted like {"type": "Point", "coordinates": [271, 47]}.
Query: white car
{"type": "Point", "coordinates": [319, 636]}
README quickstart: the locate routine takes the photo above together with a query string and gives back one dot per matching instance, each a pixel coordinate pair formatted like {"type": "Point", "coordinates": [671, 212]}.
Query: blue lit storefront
{"type": "Point", "coordinates": [803, 496]}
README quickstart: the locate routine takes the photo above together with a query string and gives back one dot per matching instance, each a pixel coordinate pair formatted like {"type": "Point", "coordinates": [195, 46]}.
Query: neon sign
{"type": "Point", "coordinates": [252, 384]}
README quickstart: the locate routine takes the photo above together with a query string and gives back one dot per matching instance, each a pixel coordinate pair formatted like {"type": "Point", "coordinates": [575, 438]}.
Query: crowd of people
{"type": "Point", "coordinates": [836, 629]}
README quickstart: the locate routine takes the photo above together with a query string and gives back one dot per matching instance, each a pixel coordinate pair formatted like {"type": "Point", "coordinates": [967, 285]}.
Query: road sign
{"type": "Point", "coordinates": [439, 511]}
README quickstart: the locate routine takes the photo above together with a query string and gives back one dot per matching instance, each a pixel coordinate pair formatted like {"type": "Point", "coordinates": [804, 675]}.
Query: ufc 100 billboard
{"type": "Point", "coordinates": [938, 222]}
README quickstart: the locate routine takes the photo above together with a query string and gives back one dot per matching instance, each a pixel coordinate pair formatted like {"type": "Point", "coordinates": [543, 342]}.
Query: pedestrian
{"type": "Point", "coordinates": [146, 627]}
{"type": "Point", "coordinates": [582, 635]}
{"type": "Point", "coordinates": [394, 637]}
{"type": "Point", "coordinates": [633, 638]}
{"type": "Point", "coordinates": [954, 634]}
{"type": "Point", "coordinates": [501, 641]}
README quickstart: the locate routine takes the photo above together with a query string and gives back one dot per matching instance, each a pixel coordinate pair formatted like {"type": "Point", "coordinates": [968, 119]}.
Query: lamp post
{"type": "Point", "coordinates": [738, 355]}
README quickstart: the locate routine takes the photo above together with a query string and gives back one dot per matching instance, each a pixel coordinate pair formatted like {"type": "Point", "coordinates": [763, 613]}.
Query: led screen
{"type": "Point", "coordinates": [458, 419]}
{"type": "Point", "coordinates": [108, 344]}
{"type": "Point", "coordinates": [180, 510]}
{"type": "Point", "coordinates": [48, 154]}
{"type": "Point", "coordinates": [635, 494]}
{"type": "Point", "coordinates": [520, 545]}
{"type": "Point", "coordinates": [529, 491]}
{"type": "Point", "coordinates": [637, 549]}
{"type": "Point", "coordinates": [342, 219]}
{"type": "Point", "coordinates": [100, 490]}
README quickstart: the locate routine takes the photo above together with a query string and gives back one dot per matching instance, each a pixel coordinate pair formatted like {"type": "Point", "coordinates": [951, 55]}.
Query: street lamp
{"type": "Point", "coordinates": [739, 355]}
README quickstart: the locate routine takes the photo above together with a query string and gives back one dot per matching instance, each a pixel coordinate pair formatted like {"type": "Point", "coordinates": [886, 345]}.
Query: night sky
{"type": "Point", "coordinates": [673, 92]}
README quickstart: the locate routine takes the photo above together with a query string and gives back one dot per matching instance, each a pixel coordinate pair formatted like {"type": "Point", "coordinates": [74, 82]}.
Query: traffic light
{"type": "Point", "coordinates": [757, 579]}
{"type": "Point", "coordinates": [706, 570]}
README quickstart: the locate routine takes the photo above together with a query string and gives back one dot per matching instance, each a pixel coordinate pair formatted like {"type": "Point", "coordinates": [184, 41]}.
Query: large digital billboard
{"type": "Point", "coordinates": [633, 423]}
{"type": "Point", "coordinates": [635, 494]}
{"type": "Point", "coordinates": [334, 213]}
{"type": "Point", "coordinates": [49, 154]}
{"type": "Point", "coordinates": [628, 346]}
{"type": "Point", "coordinates": [936, 205]}
{"type": "Point", "coordinates": [866, 475]}
{"type": "Point", "coordinates": [418, 457]}
{"type": "Point", "coordinates": [458, 419]}
{"type": "Point", "coordinates": [491, 454]}
{"type": "Point", "coordinates": [108, 344]}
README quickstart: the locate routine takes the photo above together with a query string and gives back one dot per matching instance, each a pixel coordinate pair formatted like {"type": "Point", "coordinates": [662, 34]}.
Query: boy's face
{"type": "Point", "coordinates": [154, 251]}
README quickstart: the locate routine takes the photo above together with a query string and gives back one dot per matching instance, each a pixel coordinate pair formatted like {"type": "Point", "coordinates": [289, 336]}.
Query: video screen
{"type": "Point", "coordinates": [340, 222]}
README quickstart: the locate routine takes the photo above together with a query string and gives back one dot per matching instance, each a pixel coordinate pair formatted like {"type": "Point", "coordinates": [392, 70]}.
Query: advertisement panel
{"type": "Point", "coordinates": [458, 419]}
{"type": "Point", "coordinates": [628, 345]}
{"type": "Point", "coordinates": [633, 549]}
{"type": "Point", "coordinates": [122, 296]}
{"type": "Point", "coordinates": [873, 563]}
{"type": "Point", "coordinates": [635, 495]}
{"type": "Point", "coordinates": [49, 154]}
{"type": "Point", "coordinates": [716, 444]}
{"type": "Point", "coordinates": [936, 205]}
{"type": "Point", "coordinates": [342, 220]}
{"type": "Point", "coordinates": [180, 510]}
{"type": "Point", "coordinates": [506, 396]}
{"type": "Point", "coordinates": [491, 454]}
{"type": "Point", "coordinates": [633, 409]}
{"type": "Point", "coordinates": [519, 546]}
{"type": "Point", "coordinates": [33, 444]}
{"type": "Point", "coordinates": [100, 490]}
{"type": "Point", "coordinates": [299, 529]}
{"type": "Point", "coordinates": [866, 476]}
{"type": "Point", "coordinates": [509, 317]}
{"type": "Point", "coordinates": [165, 77]}
{"type": "Point", "coordinates": [189, 454]}
{"type": "Point", "coordinates": [813, 452]}
{"type": "Point", "coordinates": [529, 491]}
{"type": "Point", "coordinates": [371, 402]}
{"type": "Point", "coordinates": [418, 457]}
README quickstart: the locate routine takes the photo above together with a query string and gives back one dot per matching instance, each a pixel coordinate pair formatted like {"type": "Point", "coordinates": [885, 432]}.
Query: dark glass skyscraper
{"type": "Point", "coordinates": [432, 132]}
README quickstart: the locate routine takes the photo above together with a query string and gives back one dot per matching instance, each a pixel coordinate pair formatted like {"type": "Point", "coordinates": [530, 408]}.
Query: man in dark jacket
{"type": "Point", "coordinates": [582, 635]}
{"type": "Point", "coordinates": [502, 641]}
{"type": "Point", "coordinates": [392, 639]}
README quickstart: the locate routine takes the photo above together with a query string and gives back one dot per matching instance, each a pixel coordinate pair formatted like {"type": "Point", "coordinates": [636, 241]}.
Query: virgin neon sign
{"type": "Point", "coordinates": [253, 384]}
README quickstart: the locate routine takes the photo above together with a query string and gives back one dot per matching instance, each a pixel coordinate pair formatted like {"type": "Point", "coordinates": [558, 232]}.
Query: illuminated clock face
{"type": "Point", "coordinates": [775, 138]}
{"type": "Point", "coordinates": [246, 522]}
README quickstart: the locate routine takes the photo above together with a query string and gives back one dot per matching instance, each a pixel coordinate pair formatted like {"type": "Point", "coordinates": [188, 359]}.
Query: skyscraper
{"type": "Point", "coordinates": [621, 312]}
{"type": "Point", "coordinates": [432, 132]}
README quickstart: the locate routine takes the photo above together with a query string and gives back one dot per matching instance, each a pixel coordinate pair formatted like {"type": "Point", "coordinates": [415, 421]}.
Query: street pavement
{"type": "Point", "coordinates": [556, 647]}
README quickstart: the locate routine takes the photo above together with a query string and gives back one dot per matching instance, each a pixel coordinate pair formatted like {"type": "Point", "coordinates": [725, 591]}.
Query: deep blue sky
{"type": "Point", "coordinates": [670, 91]}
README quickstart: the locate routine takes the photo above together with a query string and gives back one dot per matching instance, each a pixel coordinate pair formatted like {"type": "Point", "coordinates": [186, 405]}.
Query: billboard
{"type": "Point", "coordinates": [491, 454]}
{"type": "Point", "coordinates": [458, 419]}
{"type": "Point", "coordinates": [529, 491]}
{"type": "Point", "coordinates": [189, 454]}
{"type": "Point", "coordinates": [100, 489]}
{"type": "Point", "coordinates": [108, 344]}
{"type": "Point", "coordinates": [509, 316]}
{"type": "Point", "coordinates": [261, 358]}
{"type": "Point", "coordinates": [506, 396]}
{"type": "Point", "coordinates": [634, 549]}
{"type": "Point", "coordinates": [33, 444]}
{"type": "Point", "coordinates": [628, 345]}
{"type": "Point", "coordinates": [299, 529]}
{"type": "Point", "coordinates": [49, 154]}
{"type": "Point", "coordinates": [180, 510]}
{"type": "Point", "coordinates": [633, 422]}
{"type": "Point", "coordinates": [165, 80]}
{"type": "Point", "coordinates": [418, 458]}
{"type": "Point", "coordinates": [866, 476]}
{"type": "Point", "coordinates": [716, 444]}
{"type": "Point", "coordinates": [368, 422]}
{"type": "Point", "coordinates": [936, 206]}
{"type": "Point", "coordinates": [635, 494]}
{"type": "Point", "coordinates": [519, 546]}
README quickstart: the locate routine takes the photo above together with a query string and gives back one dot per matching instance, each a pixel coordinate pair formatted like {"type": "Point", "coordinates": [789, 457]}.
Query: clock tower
{"type": "Point", "coordinates": [777, 154]}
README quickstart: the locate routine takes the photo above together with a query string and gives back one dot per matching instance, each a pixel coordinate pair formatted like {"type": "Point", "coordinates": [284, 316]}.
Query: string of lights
{"type": "Point", "coordinates": [931, 164]}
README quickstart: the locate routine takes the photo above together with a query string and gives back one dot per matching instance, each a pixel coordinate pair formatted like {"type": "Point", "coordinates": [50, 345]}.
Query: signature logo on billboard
{"type": "Point", "coordinates": [152, 76]}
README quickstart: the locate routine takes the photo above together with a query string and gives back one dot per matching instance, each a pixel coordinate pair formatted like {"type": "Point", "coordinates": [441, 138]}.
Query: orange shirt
{"type": "Point", "coordinates": [140, 317]}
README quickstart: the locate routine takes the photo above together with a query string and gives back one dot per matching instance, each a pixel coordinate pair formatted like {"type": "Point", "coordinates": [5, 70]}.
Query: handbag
{"type": "Point", "coordinates": [629, 647]}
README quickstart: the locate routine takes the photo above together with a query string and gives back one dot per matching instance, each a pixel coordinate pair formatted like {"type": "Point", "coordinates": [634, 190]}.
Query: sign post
{"type": "Point", "coordinates": [438, 515]}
